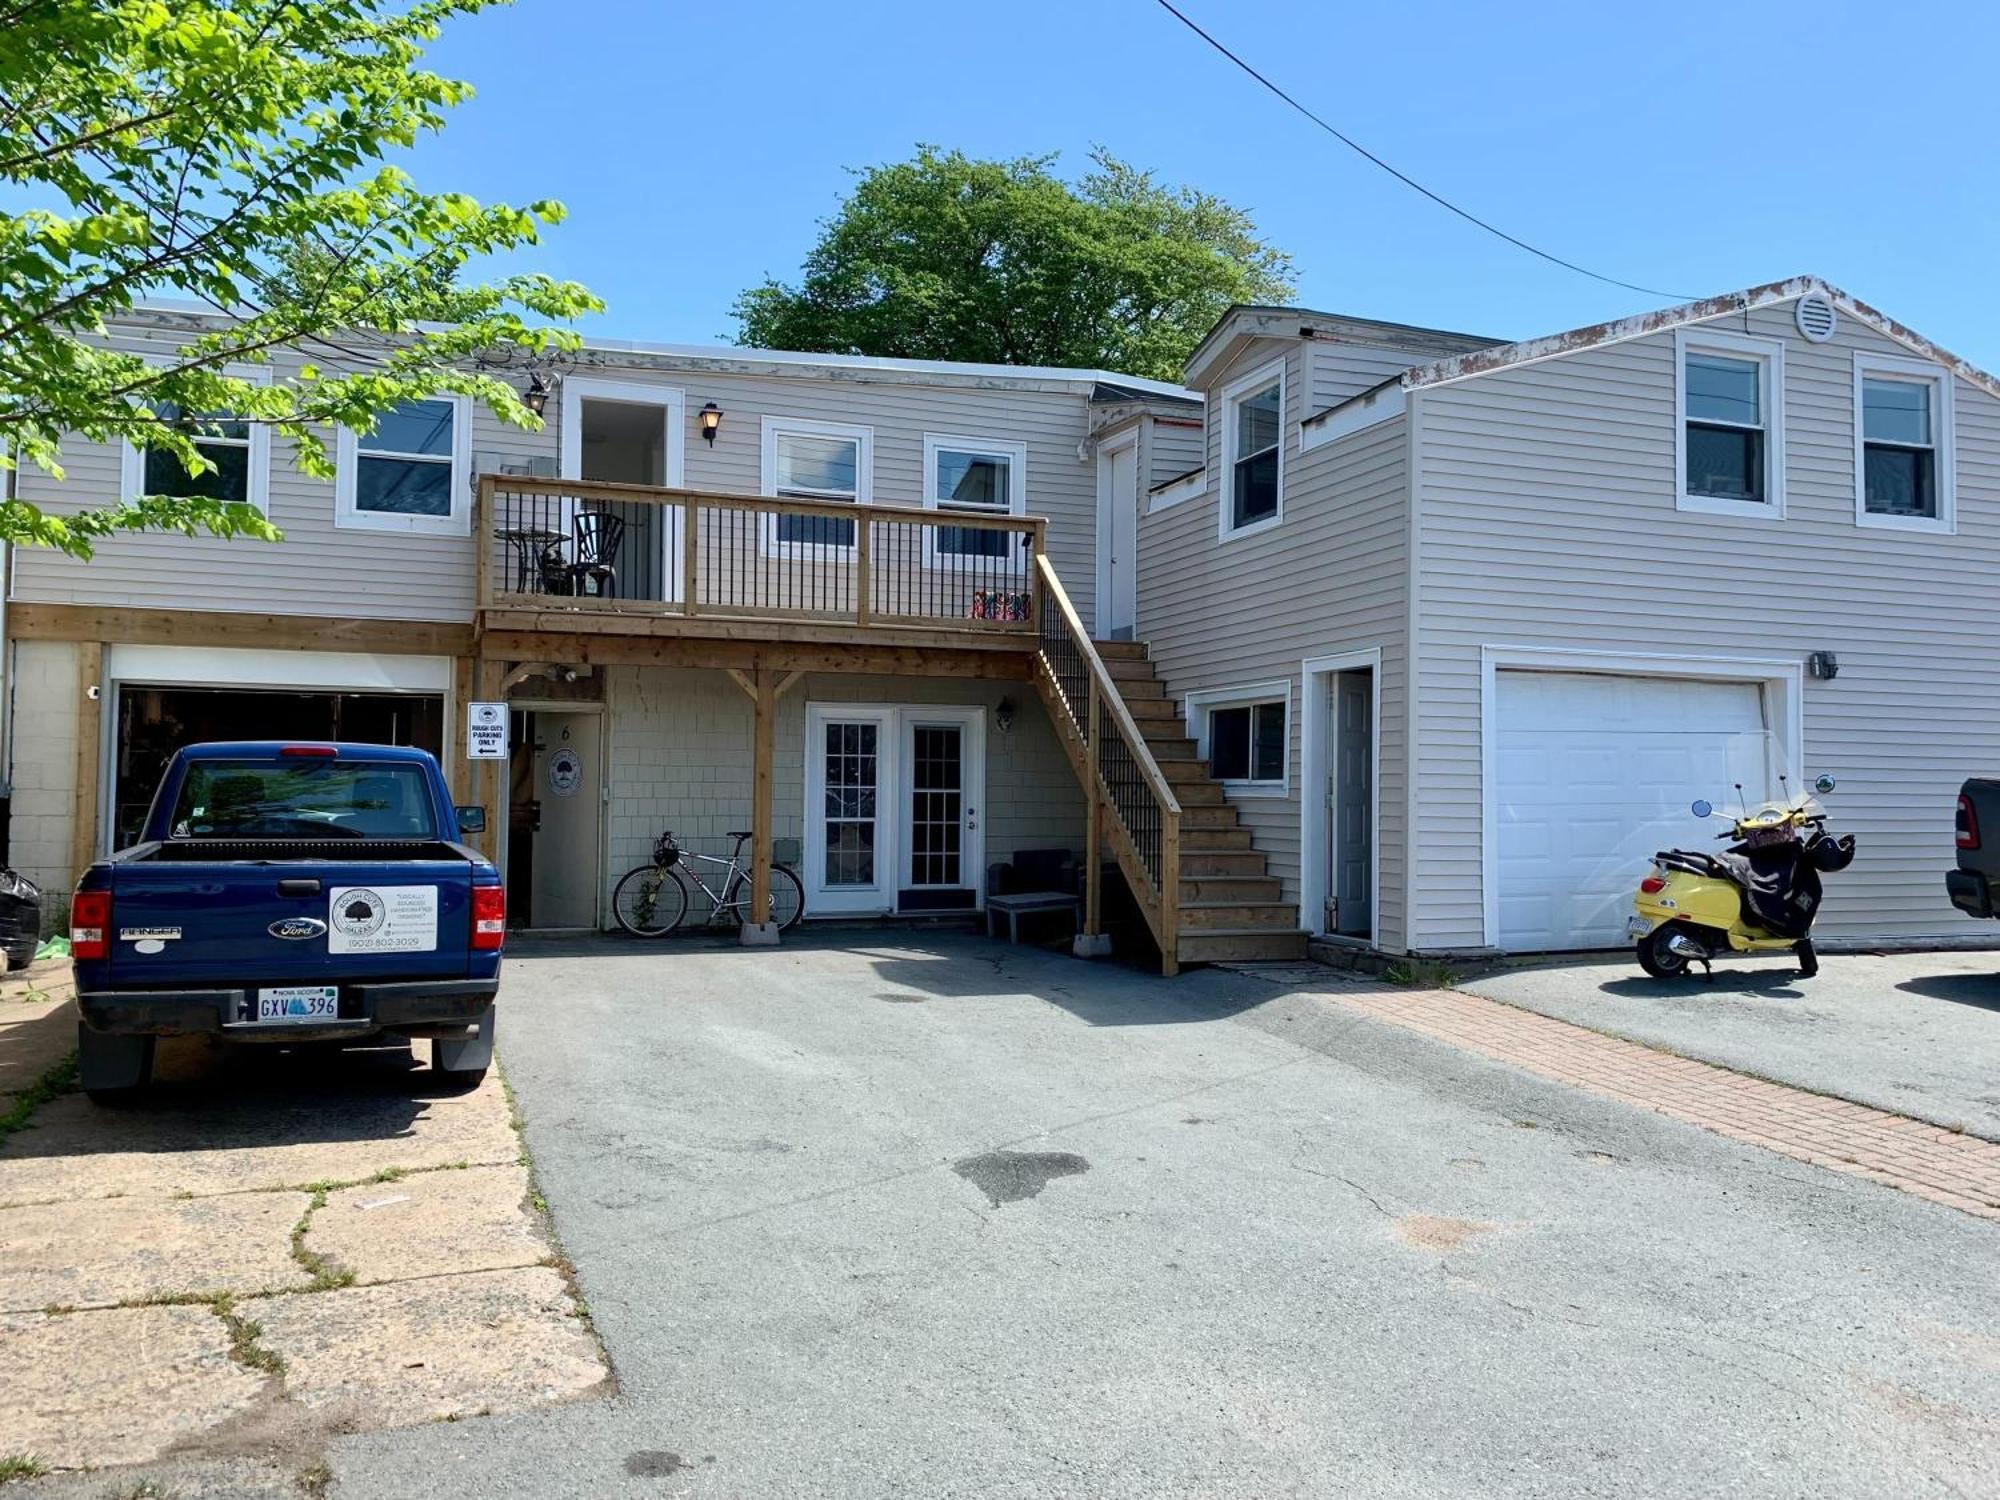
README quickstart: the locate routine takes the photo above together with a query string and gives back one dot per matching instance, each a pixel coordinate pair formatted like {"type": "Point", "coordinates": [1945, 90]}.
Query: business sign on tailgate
{"type": "Point", "coordinates": [382, 919]}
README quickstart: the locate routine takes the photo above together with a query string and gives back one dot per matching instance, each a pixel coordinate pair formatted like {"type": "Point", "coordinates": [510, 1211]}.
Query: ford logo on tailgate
{"type": "Point", "coordinates": [298, 927]}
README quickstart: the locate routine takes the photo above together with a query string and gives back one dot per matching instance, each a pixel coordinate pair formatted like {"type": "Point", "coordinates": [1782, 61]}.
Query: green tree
{"type": "Point", "coordinates": [945, 257]}
{"type": "Point", "coordinates": [232, 153]}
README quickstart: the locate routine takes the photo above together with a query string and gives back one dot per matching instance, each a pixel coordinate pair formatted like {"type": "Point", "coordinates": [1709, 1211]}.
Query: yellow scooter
{"type": "Point", "coordinates": [1759, 896]}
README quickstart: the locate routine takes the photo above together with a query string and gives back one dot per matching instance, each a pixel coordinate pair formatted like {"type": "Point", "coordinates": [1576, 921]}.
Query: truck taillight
{"type": "Point", "coordinates": [1968, 823]}
{"type": "Point", "coordinates": [90, 924]}
{"type": "Point", "coordinates": [489, 916]}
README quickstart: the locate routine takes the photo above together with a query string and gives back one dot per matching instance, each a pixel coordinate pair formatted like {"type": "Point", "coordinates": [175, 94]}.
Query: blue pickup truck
{"type": "Point", "coordinates": [289, 894]}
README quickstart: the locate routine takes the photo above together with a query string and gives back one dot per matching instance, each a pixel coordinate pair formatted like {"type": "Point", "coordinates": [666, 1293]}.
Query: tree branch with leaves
{"type": "Point", "coordinates": [233, 154]}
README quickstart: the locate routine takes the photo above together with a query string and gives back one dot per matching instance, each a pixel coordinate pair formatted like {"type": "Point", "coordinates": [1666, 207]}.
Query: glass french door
{"type": "Point", "coordinates": [892, 807]}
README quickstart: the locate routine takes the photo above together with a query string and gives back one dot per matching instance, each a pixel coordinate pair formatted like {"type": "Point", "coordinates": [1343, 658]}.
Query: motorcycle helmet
{"type": "Point", "coordinates": [1829, 854]}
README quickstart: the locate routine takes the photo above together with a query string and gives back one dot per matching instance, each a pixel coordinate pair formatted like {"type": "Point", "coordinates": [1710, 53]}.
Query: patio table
{"type": "Point", "coordinates": [1012, 907]}
{"type": "Point", "coordinates": [531, 544]}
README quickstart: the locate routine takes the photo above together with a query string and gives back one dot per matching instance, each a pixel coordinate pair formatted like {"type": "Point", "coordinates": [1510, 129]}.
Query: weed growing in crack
{"type": "Point", "coordinates": [315, 1481]}
{"type": "Point", "coordinates": [326, 1275]}
{"type": "Point", "coordinates": [59, 1080]}
{"type": "Point", "coordinates": [244, 1334]}
{"type": "Point", "coordinates": [15, 1466]}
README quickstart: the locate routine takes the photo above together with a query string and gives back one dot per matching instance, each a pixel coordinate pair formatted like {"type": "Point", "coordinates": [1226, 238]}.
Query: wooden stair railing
{"type": "Point", "coordinates": [1112, 760]}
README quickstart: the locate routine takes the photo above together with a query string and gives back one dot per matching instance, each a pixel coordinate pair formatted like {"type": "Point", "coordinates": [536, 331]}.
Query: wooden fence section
{"type": "Point", "coordinates": [586, 546]}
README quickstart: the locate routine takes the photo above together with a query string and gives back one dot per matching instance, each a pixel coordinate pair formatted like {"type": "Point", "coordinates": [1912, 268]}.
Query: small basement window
{"type": "Point", "coordinates": [1245, 736]}
{"type": "Point", "coordinates": [1902, 448]}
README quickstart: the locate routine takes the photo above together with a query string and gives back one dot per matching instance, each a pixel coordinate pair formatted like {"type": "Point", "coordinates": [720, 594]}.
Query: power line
{"type": "Point", "coordinates": [1409, 181]}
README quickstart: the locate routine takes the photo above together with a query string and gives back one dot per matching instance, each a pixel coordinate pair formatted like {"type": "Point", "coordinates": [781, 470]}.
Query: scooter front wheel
{"type": "Point", "coordinates": [1657, 958]}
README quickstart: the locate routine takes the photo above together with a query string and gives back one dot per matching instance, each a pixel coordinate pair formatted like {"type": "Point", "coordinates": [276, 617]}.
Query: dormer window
{"type": "Point", "coordinates": [1253, 441]}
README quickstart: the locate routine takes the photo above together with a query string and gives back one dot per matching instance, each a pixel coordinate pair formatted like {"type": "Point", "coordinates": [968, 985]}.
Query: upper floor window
{"type": "Point", "coordinates": [1245, 736]}
{"type": "Point", "coordinates": [975, 477]}
{"type": "Point", "coordinates": [1902, 455]}
{"type": "Point", "coordinates": [806, 460]}
{"type": "Point", "coordinates": [240, 452]}
{"type": "Point", "coordinates": [409, 474]}
{"type": "Point", "coordinates": [1731, 438]}
{"type": "Point", "coordinates": [1253, 432]}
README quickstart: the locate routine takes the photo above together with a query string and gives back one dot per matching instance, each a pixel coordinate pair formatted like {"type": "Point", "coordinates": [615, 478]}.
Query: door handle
{"type": "Point", "coordinates": [299, 887]}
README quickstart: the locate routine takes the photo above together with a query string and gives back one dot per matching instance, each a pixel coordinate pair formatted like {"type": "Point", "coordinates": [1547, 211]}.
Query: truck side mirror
{"type": "Point", "coordinates": [472, 820]}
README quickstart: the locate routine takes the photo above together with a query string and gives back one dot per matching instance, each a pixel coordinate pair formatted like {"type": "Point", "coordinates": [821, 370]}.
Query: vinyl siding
{"type": "Point", "coordinates": [1546, 517]}
{"type": "Point", "coordinates": [1329, 578]}
{"type": "Point", "coordinates": [681, 759]}
{"type": "Point", "coordinates": [1173, 448]}
{"type": "Point", "coordinates": [321, 569]}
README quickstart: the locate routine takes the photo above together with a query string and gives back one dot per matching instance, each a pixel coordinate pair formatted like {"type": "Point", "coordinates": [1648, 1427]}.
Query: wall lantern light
{"type": "Point", "coordinates": [536, 397]}
{"type": "Point", "coordinates": [1003, 714]}
{"type": "Point", "coordinates": [1824, 665]}
{"type": "Point", "coordinates": [711, 422]}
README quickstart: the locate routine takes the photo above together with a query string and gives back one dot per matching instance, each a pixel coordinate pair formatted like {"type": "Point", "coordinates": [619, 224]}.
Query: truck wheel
{"type": "Point", "coordinates": [461, 1062]}
{"type": "Point", "coordinates": [114, 1070]}
{"type": "Point", "coordinates": [1656, 958]}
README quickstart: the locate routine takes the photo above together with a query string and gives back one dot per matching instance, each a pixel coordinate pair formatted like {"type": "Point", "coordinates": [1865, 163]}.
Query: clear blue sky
{"type": "Point", "coordinates": [1699, 147]}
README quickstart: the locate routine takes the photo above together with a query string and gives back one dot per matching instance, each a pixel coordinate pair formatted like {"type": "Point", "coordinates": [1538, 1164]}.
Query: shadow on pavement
{"type": "Point", "coordinates": [1780, 985]}
{"type": "Point", "coordinates": [1980, 991]}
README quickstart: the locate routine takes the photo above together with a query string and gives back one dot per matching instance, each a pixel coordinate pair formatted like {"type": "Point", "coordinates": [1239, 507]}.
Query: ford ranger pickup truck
{"type": "Point", "coordinates": [1972, 886]}
{"type": "Point", "coordinates": [285, 894]}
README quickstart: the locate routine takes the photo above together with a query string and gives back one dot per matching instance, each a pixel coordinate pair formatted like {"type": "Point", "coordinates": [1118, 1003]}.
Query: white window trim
{"type": "Point", "coordinates": [1225, 489]}
{"type": "Point", "coordinates": [1946, 521]}
{"type": "Point", "coordinates": [347, 516]}
{"type": "Point", "coordinates": [1016, 455]}
{"type": "Point", "coordinates": [257, 490]}
{"type": "Point", "coordinates": [1355, 415]}
{"type": "Point", "coordinates": [1197, 706]}
{"type": "Point", "coordinates": [1740, 346]}
{"type": "Point", "coordinates": [864, 480]}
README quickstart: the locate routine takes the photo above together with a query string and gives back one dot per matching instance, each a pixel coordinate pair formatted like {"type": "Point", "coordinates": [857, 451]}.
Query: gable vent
{"type": "Point", "coordinates": [1814, 314]}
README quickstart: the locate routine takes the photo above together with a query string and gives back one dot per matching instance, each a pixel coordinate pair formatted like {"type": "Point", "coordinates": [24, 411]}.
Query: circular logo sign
{"type": "Point", "coordinates": [565, 772]}
{"type": "Point", "coordinates": [360, 914]}
{"type": "Point", "coordinates": [486, 714]}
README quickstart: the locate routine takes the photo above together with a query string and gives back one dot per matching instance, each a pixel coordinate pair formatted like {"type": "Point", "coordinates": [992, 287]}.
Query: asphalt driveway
{"type": "Point", "coordinates": [1916, 1033]}
{"type": "Point", "coordinates": [931, 1216]}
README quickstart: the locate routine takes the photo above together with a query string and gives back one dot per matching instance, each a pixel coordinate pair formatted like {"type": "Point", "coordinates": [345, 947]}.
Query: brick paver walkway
{"type": "Point", "coordinates": [1960, 1171]}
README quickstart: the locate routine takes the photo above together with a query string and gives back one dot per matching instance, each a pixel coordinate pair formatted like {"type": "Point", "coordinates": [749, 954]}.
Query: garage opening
{"type": "Point", "coordinates": [1594, 773]}
{"type": "Point", "coordinates": [154, 722]}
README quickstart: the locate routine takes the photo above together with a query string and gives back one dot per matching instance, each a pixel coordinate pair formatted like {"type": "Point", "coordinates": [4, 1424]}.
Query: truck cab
{"type": "Point", "coordinates": [285, 894]}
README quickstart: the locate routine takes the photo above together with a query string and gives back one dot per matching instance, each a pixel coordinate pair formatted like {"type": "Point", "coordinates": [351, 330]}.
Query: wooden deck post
{"type": "Point", "coordinates": [765, 736]}
{"type": "Point", "coordinates": [1093, 792]}
{"type": "Point", "coordinates": [864, 570]}
{"type": "Point", "coordinates": [1170, 895]}
{"type": "Point", "coordinates": [89, 763]}
{"type": "Point", "coordinates": [690, 555]}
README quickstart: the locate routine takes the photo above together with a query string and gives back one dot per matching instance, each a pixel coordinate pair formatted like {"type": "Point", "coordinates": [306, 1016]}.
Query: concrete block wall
{"type": "Point", "coordinates": [42, 755]}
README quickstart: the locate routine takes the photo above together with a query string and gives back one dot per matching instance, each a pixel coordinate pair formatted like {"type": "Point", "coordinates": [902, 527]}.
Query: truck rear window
{"type": "Point", "coordinates": [304, 799]}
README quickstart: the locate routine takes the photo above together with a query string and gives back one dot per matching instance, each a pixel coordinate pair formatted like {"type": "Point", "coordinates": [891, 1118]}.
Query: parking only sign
{"type": "Point", "coordinates": [486, 731]}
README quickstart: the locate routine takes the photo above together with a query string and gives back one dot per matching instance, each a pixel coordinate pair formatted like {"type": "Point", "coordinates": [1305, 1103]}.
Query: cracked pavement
{"type": "Point", "coordinates": [1245, 1241]}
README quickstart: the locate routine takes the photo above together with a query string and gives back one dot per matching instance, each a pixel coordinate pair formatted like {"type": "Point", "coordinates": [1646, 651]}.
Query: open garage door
{"type": "Point", "coordinates": [1596, 772]}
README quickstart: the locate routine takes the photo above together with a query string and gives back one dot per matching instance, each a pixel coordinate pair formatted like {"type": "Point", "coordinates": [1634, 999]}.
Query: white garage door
{"type": "Point", "coordinates": [1597, 772]}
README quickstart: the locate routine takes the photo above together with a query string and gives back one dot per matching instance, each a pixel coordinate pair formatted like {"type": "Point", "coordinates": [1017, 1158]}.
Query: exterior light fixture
{"type": "Point", "coordinates": [1824, 665]}
{"type": "Point", "coordinates": [1003, 715]}
{"type": "Point", "coordinates": [711, 421]}
{"type": "Point", "coordinates": [536, 397]}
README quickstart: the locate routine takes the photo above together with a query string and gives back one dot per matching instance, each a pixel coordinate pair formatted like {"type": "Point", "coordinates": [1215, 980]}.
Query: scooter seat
{"type": "Point", "coordinates": [1692, 862]}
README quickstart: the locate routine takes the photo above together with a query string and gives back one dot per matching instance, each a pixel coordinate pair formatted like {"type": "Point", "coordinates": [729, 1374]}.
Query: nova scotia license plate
{"type": "Point", "coordinates": [299, 1002]}
{"type": "Point", "coordinates": [1637, 927]}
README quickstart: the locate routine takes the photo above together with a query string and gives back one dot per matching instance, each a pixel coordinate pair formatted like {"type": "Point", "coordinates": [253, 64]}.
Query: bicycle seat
{"type": "Point", "coordinates": [746, 833]}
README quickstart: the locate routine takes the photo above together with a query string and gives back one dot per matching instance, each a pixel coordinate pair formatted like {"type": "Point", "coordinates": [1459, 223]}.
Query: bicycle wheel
{"type": "Point", "coordinates": [788, 898]}
{"type": "Point", "coordinates": [650, 901]}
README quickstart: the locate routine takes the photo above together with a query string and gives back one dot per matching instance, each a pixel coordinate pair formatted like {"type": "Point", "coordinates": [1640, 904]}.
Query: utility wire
{"type": "Point", "coordinates": [1409, 181]}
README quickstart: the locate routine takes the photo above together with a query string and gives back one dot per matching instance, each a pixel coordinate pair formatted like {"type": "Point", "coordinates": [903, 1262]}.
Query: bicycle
{"type": "Point", "coordinates": [651, 900]}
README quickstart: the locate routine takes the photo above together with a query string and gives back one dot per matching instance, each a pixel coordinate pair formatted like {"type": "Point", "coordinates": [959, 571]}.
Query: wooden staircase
{"type": "Point", "coordinates": [1231, 906]}
{"type": "Point", "coordinates": [1206, 892]}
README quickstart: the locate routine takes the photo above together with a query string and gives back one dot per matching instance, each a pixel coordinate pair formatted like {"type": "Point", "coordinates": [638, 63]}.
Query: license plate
{"type": "Point", "coordinates": [299, 1002]}
{"type": "Point", "coordinates": [1637, 927]}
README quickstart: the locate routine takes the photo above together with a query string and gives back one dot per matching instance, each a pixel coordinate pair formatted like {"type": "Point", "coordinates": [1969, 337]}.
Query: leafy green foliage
{"type": "Point", "coordinates": [231, 153]}
{"type": "Point", "coordinates": [945, 257]}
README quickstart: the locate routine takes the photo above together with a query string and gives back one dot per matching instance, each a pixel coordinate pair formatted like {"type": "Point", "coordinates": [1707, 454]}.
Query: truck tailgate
{"type": "Point", "coordinates": [289, 921]}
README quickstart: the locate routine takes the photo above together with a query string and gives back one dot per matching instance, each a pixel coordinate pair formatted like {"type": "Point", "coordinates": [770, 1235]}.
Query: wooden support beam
{"type": "Point", "coordinates": [764, 736]}
{"type": "Point", "coordinates": [458, 769]}
{"type": "Point", "coordinates": [789, 681]}
{"type": "Point", "coordinates": [659, 651]}
{"type": "Point", "coordinates": [1093, 790]}
{"type": "Point", "coordinates": [743, 680]}
{"type": "Point", "coordinates": [490, 783]}
{"type": "Point", "coordinates": [28, 620]}
{"type": "Point", "coordinates": [1170, 894]}
{"type": "Point", "coordinates": [89, 765]}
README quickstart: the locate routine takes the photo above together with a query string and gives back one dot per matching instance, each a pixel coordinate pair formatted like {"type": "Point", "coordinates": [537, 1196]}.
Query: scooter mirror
{"type": "Point", "coordinates": [1824, 784]}
{"type": "Point", "coordinates": [1702, 808]}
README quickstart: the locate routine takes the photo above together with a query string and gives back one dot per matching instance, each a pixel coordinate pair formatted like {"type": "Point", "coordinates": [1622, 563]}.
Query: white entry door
{"type": "Point", "coordinates": [1118, 537]}
{"type": "Point", "coordinates": [894, 799]}
{"type": "Point", "coordinates": [1596, 772]}
{"type": "Point", "coordinates": [568, 798]}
